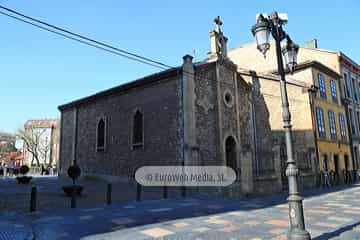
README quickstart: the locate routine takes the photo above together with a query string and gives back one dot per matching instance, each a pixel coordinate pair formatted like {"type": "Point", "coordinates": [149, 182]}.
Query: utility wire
{"type": "Point", "coordinates": [85, 40]}
{"type": "Point", "coordinates": [100, 45]}
{"type": "Point", "coordinates": [78, 40]}
{"type": "Point", "coordinates": [80, 36]}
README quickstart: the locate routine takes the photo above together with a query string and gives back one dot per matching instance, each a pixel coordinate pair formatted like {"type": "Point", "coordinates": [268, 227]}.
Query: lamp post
{"type": "Point", "coordinates": [261, 30]}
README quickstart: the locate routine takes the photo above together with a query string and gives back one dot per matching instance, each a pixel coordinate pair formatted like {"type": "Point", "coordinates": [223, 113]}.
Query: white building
{"type": "Point", "coordinates": [41, 142]}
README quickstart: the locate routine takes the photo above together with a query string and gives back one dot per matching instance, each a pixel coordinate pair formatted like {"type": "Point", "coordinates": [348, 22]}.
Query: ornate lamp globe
{"type": "Point", "coordinates": [290, 55]}
{"type": "Point", "coordinates": [261, 31]}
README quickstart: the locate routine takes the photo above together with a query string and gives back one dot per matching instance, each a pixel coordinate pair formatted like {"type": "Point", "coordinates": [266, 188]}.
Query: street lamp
{"type": "Point", "coordinates": [290, 54]}
{"type": "Point", "coordinates": [261, 30]}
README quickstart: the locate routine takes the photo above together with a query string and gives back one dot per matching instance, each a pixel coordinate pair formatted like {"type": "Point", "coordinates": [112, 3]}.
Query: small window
{"type": "Point", "coordinates": [320, 122]}
{"type": "Point", "coordinates": [342, 126]}
{"type": "Point", "coordinates": [138, 134]}
{"type": "Point", "coordinates": [301, 160]}
{"type": "Point", "coordinates": [322, 86]}
{"type": "Point", "coordinates": [228, 98]}
{"type": "Point", "coordinates": [332, 124]}
{"type": "Point", "coordinates": [101, 134]}
{"type": "Point", "coordinates": [333, 91]}
{"type": "Point", "coordinates": [304, 159]}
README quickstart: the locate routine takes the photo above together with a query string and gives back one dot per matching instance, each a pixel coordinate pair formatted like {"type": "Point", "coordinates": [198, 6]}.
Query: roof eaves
{"type": "Point", "coordinates": [123, 87]}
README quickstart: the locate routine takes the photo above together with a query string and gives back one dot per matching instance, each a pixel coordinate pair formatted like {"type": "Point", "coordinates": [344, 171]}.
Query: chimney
{"type": "Point", "coordinates": [311, 43]}
{"type": "Point", "coordinates": [187, 59]}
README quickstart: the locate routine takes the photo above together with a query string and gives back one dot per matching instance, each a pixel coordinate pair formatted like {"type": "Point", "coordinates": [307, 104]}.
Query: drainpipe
{"type": "Point", "coordinates": [51, 141]}
{"type": "Point", "coordinates": [253, 76]}
{"type": "Point", "coordinates": [75, 137]}
{"type": "Point", "coordinates": [312, 91]}
{"type": "Point", "coordinates": [255, 134]}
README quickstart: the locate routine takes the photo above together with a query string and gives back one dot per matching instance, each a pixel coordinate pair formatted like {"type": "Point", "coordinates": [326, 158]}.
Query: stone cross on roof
{"type": "Point", "coordinates": [218, 40]}
{"type": "Point", "coordinates": [218, 23]}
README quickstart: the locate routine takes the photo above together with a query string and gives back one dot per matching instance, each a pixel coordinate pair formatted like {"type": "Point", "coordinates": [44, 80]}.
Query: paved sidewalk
{"type": "Point", "coordinates": [14, 196]}
{"type": "Point", "coordinates": [330, 215]}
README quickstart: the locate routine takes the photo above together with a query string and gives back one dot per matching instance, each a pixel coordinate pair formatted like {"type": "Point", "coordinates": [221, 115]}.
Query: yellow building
{"type": "Point", "coordinates": [329, 117]}
{"type": "Point", "coordinates": [311, 114]}
{"type": "Point", "coordinates": [247, 56]}
{"type": "Point", "coordinates": [269, 129]}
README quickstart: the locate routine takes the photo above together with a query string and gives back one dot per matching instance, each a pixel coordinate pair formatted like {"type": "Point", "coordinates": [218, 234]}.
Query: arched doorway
{"type": "Point", "coordinates": [230, 153]}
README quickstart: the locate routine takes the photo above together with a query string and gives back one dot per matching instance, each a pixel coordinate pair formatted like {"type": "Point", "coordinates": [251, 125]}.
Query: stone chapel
{"type": "Point", "coordinates": [200, 113]}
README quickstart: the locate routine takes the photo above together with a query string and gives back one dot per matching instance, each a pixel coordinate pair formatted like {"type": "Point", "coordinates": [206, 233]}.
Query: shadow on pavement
{"type": "Point", "coordinates": [280, 198]}
{"type": "Point", "coordinates": [338, 232]}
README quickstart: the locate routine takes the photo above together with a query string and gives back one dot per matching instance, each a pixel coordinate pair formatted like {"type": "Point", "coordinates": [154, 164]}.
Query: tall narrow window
{"type": "Point", "coordinates": [138, 135]}
{"type": "Point", "coordinates": [354, 89]}
{"type": "Point", "coordinates": [347, 91]}
{"type": "Point", "coordinates": [332, 124]}
{"type": "Point", "coordinates": [320, 122]}
{"type": "Point", "coordinates": [342, 126]}
{"type": "Point", "coordinates": [351, 118]}
{"type": "Point", "coordinates": [322, 86]}
{"type": "Point", "coordinates": [333, 91]}
{"type": "Point", "coordinates": [100, 141]}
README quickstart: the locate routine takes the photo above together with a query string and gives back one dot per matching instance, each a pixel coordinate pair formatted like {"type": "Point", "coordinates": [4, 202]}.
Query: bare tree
{"type": "Point", "coordinates": [35, 144]}
{"type": "Point", "coordinates": [45, 149]}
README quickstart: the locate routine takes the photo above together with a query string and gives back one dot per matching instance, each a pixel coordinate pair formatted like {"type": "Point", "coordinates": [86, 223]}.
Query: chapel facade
{"type": "Point", "coordinates": [197, 114]}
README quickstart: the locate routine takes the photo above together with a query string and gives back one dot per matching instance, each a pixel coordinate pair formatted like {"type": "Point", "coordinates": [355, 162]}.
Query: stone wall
{"type": "Point", "coordinates": [223, 109]}
{"type": "Point", "coordinates": [246, 135]}
{"type": "Point", "coordinates": [270, 150]}
{"type": "Point", "coordinates": [206, 109]}
{"type": "Point", "coordinates": [67, 125]}
{"type": "Point", "coordinates": [160, 105]}
{"type": "Point", "coordinates": [228, 107]}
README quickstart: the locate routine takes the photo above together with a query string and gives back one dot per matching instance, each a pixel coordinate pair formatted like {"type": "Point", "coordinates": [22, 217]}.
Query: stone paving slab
{"type": "Point", "coordinates": [205, 218]}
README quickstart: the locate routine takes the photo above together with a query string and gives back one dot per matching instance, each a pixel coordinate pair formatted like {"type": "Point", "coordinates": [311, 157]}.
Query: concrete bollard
{"type": "Point", "coordinates": [108, 194]}
{"type": "Point", "coordinates": [33, 199]}
{"type": "Point", "coordinates": [138, 192]}
{"type": "Point", "coordinates": [165, 192]}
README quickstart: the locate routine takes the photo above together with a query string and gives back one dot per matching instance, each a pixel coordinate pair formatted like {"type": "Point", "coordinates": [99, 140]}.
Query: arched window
{"type": "Point", "coordinates": [138, 134]}
{"type": "Point", "coordinates": [100, 141]}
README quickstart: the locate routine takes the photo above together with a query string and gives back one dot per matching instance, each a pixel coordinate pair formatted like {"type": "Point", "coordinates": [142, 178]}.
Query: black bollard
{"type": "Point", "coordinates": [33, 199]}
{"type": "Point", "coordinates": [138, 192]}
{"type": "Point", "coordinates": [73, 198]}
{"type": "Point", "coordinates": [108, 194]}
{"type": "Point", "coordinates": [165, 192]}
{"type": "Point", "coordinates": [183, 191]}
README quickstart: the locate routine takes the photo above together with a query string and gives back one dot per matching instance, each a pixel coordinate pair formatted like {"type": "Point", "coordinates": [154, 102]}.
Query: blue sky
{"type": "Point", "coordinates": [40, 71]}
